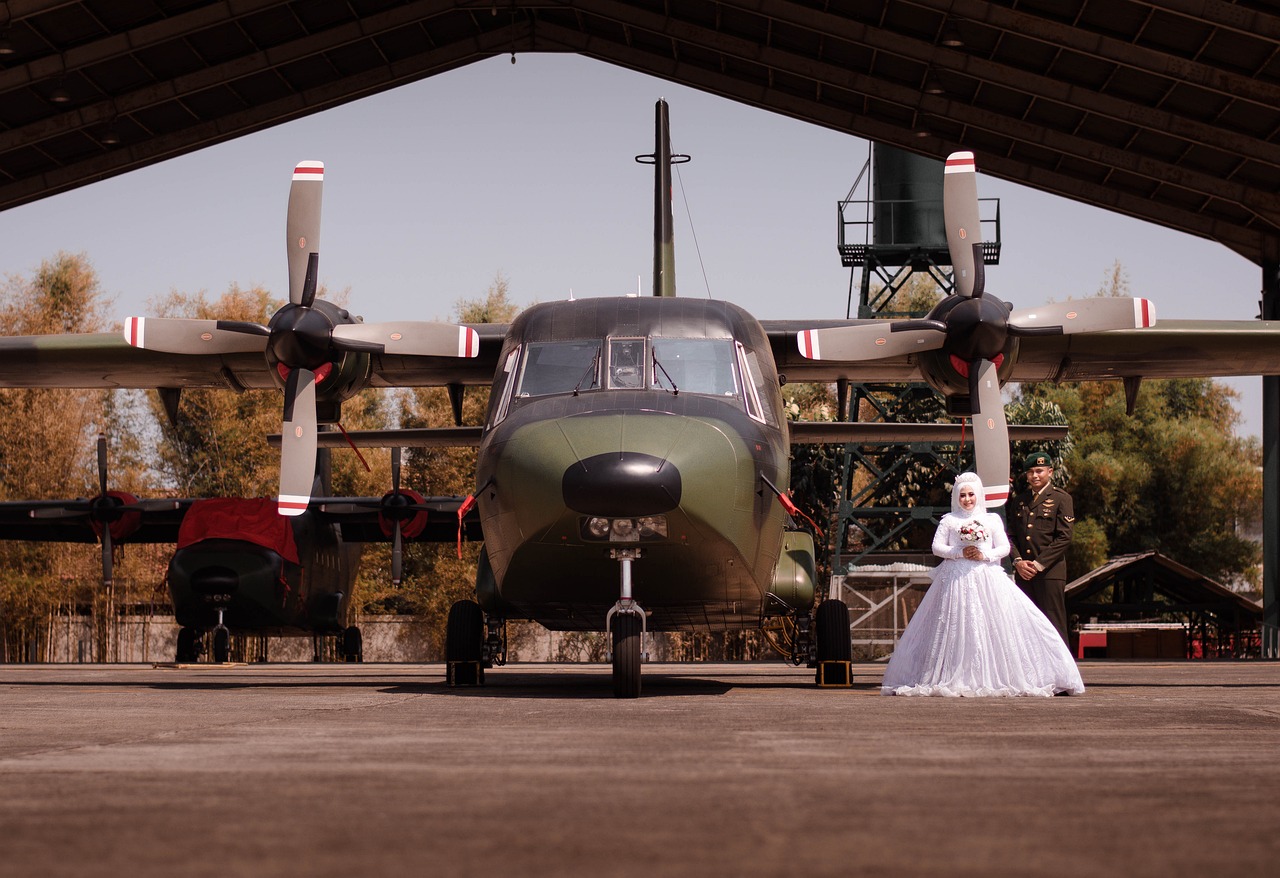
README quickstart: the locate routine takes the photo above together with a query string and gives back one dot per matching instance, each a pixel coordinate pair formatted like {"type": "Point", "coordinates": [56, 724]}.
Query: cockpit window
{"type": "Point", "coordinates": [695, 365]}
{"type": "Point", "coordinates": [626, 363]}
{"type": "Point", "coordinates": [560, 367]}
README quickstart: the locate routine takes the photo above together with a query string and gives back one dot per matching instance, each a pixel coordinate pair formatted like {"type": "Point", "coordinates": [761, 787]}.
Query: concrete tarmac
{"type": "Point", "coordinates": [1160, 769]}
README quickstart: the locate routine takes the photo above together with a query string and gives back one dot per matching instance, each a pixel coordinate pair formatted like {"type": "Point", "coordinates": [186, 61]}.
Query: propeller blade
{"type": "Point", "coordinates": [102, 465]}
{"type": "Point", "coordinates": [964, 226]}
{"type": "Point", "coordinates": [871, 341]}
{"type": "Point", "coordinates": [298, 443]}
{"type": "Point", "coordinates": [395, 470]}
{"type": "Point", "coordinates": [1083, 315]}
{"type": "Point", "coordinates": [176, 335]}
{"type": "Point", "coordinates": [397, 557]}
{"type": "Point", "coordinates": [409, 337]}
{"type": "Point", "coordinates": [106, 555]}
{"type": "Point", "coordinates": [991, 435]}
{"type": "Point", "coordinates": [303, 231]}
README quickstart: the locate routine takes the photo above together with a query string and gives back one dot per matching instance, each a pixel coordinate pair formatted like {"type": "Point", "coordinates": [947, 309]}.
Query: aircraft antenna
{"type": "Point", "coordinates": [693, 232]}
{"type": "Point", "coordinates": [664, 254]}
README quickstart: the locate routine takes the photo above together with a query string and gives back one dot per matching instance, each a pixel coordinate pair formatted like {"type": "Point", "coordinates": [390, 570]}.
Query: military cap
{"type": "Point", "coordinates": [1038, 458]}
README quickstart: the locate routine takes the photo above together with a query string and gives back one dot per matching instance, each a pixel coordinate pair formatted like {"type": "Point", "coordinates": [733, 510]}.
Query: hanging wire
{"type": "Point", "coordinates": [689, 216]}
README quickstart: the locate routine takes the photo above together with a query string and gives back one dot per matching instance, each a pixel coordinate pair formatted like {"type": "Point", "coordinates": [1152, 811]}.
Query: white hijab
{"type": "Point", "coordinates": [979, 507]}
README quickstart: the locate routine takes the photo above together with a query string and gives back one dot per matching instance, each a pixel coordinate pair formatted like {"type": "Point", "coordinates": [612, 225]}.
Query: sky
{"type": "Point", "coordinates": [527, 170]}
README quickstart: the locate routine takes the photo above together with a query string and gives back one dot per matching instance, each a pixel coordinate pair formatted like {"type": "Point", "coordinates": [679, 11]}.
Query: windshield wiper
{"type": "Point", "coordinates": [675, 391]}
{"type": "Point", "coordinates": [593, 370]}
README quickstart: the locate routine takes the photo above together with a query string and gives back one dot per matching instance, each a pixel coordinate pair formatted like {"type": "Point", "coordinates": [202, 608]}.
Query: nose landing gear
{"type": "Point", "coordinates": [626, 623]}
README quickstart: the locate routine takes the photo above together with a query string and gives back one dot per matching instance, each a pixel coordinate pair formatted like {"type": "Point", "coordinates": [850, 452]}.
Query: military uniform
{"type": "Point", "coordinates": [1040, 526]}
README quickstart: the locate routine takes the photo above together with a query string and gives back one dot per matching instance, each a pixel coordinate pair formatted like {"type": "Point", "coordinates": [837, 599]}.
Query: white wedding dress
{"type": "Point", "coordinates": [975, 633]}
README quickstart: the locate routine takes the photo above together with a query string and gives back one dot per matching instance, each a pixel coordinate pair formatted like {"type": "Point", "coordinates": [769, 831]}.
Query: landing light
{"type": "Point", "coordinates": [624, 530]}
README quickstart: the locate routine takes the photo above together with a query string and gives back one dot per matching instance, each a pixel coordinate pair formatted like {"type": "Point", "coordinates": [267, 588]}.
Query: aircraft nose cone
{"type": "Point", "coordinates": [621, 483]}
{"type": "Point", "coordinates": [215, 580]}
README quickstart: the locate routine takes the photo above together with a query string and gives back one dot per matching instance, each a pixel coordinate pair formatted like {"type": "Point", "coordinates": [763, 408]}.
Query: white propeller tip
{"type": "Point", "coordinates": [807, 340]}
{"type": "Point", "coordinates": [996, 496]}
{"type": "Point", "coordinates": [291, 504]}
{"type": "Point", "coordinates": [309, 171]}
{"type": "Point", "coordinates": [133, 331]}
{"type": "Point", "coordinates": [468, 342]}
{"type": "Point", "coordinates": [1144, 313]}
{"type": "Point", "coordinates": [960, 163]}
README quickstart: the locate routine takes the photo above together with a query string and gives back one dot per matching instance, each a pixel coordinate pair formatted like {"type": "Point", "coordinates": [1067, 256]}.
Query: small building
{"type": "Point", "coordinates": [1147, 605]}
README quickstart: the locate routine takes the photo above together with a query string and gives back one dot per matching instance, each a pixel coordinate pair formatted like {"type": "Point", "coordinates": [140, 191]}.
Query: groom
{"type": "Point", "coordinates": [1040, 522]}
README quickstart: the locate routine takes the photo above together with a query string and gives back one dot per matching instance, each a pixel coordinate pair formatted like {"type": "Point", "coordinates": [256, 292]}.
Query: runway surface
{"type": "Point", "coordinates": [318, 770]}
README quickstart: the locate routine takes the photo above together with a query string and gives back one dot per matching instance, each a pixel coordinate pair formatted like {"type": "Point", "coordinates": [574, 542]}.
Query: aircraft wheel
{"type": "Point", "coordinates": [221, 645]}
{"type": "Point", "coordinates": [352, 645]}
{"type": "Point", "coordinates": [833, 632]}
{"type": "Point", "coordinates": [188, 646]}
{"type": "Point", "coordinates": [464, 644]}
{"type": "Point", "coordinates": [626, 655]}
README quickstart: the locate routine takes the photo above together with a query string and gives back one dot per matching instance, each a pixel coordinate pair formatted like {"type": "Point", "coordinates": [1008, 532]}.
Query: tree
{"type": "Point", "coordinates": [48, 449]}
{"type": "Point", "coordinates": [434, 575]}
{"type": "Point", "coordinates": [1172, 477]}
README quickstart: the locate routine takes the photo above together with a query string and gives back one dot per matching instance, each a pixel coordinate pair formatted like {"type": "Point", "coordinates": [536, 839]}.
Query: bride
{"type": "Point", "coordinates": [975, 632]}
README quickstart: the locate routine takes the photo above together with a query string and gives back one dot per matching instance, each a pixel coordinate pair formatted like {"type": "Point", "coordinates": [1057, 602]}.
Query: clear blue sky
{"type": "Point", "coordinates": [528, 170]}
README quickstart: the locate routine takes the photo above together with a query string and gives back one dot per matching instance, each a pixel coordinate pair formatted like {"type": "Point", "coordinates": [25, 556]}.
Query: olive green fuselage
{"type": "Point", "coordinates": [553, 464]}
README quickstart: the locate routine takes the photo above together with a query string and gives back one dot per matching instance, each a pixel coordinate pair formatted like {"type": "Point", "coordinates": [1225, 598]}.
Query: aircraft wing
{"type": "Point", "coordinates": [1170, 349]}
{"type": "Point", "coordinates": [433, 520]}
{"type": "Point", "coordinates": [880, 433]}
{"type": "Point", "coordinates": [406, 437]}
{"type": "Point", "coordinates": [106, 360]}
{"type": "Point", "coordinates": [69, 521]}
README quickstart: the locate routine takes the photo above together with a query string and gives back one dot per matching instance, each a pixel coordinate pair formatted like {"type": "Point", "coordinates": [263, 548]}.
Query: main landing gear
{"type": "Point", "coordinates": [471, 644]}
{"type": "Point", "coordinates": [835, 649]}
{"type": "Point", "coordinates": [625, 622]}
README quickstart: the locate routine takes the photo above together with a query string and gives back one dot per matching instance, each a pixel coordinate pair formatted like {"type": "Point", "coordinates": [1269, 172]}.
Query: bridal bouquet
{"type": "Point", "coordinates": [973, 532]}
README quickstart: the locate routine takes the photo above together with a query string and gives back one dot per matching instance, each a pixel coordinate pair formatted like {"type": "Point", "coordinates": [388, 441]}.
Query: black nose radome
{"type": "Point", "coordinates": [215, 580]}
{"type": "Point", "coordinates": [622, 483]}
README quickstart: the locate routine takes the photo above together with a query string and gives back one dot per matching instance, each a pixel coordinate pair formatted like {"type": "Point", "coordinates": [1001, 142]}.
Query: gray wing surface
{"type": "Point", "coordinates": [106, 360]}
{"type": "Point", "coordinates": [1170, 349]}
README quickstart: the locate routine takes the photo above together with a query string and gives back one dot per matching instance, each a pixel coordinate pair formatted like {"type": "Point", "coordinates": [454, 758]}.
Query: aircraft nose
{"type": "Point", "coordinates": [621, 483]}
{"type": "Point", "coordinates": [215, 580]}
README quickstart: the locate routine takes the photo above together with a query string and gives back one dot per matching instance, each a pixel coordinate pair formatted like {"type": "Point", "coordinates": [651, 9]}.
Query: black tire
{"type": "Point", "coordinates": [352, 645]}
{"type": "Point", "coordinates": [221, 645]}
{"type": "Point", "coordinates": [834, 644]}
{"type": "Point", "coordinates": [464, 644]}
{"type": "Point", "coordinates": [188, 646]}
{"type": "Point", "coordinates": [626, 655]}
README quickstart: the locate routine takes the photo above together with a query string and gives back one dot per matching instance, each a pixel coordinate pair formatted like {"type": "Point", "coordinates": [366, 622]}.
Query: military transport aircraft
{"type": "Point", "coordinates": [238, 566]}
{"type": "Point", "coordinates": [633, 467]}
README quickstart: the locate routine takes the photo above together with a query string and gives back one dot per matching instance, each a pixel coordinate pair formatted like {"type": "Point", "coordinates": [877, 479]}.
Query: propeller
{"type": "Point", "coordinates": [304, 342]}
{"type": "Point", "coordinates": [973, 329]}
{"type": "Point", "coordinates": [107, 512]}
{"type": "Point", "coordinates": [401, 513]}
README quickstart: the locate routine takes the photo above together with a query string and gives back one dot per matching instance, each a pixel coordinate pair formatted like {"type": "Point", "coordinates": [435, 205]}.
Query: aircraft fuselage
{"type": "Point", "coordinates": [636, 424]}
{"type": "Point", "coordinates": [262, 582]}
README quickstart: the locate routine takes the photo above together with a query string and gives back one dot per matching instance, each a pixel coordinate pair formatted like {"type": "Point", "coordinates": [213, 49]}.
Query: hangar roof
{"type": "Point", "coordinates": [1166, 111]}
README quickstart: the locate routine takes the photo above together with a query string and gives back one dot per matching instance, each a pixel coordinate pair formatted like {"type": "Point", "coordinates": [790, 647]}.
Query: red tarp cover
{"type": "Point", "coordinates": [236, 518]}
